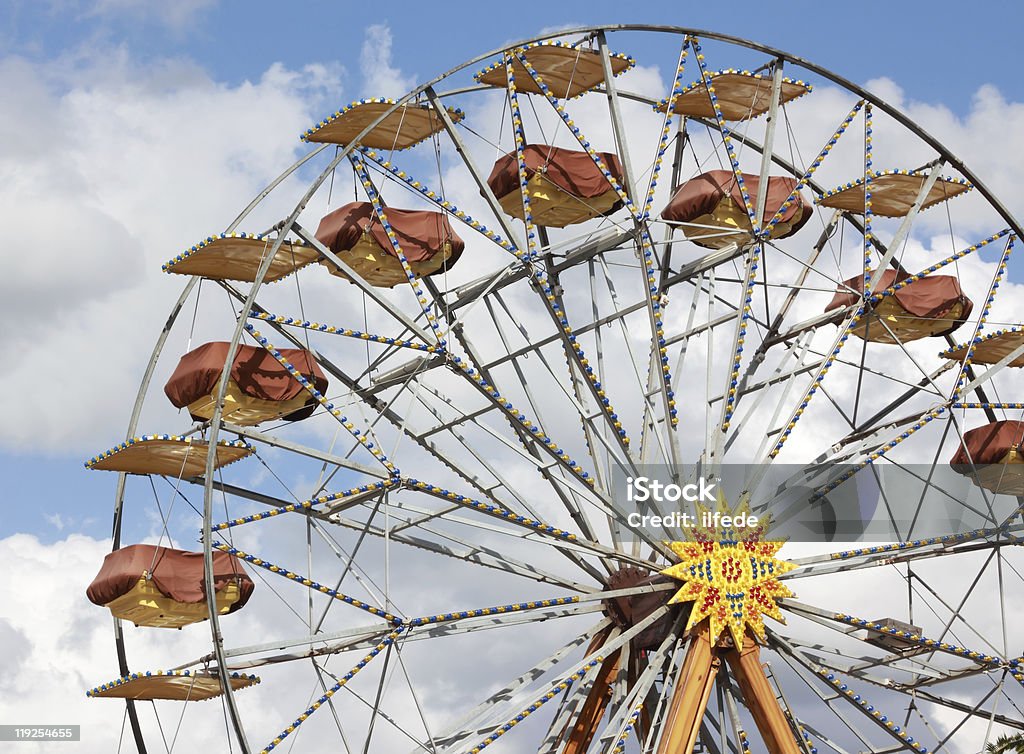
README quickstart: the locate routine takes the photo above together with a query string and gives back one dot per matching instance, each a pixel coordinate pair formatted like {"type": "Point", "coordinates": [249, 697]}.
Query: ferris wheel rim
{"type": "Point", "coordinates": [251, 298]}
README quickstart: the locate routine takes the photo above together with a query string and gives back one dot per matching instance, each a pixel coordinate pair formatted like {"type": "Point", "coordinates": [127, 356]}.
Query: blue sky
{"type": "Point", "coordinates": [937, 53]}
{"type": "Point", "coordinates": [936, 50]}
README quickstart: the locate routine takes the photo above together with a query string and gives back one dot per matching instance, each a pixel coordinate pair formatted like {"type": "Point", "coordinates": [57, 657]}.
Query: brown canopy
{"type": "Point", "coordinates": [573, 172]}
{"type": "Point", "coordinates": [893, 193]}
{"type": "Point", "coordinates": [930, 297]}
{"type": "Point", "coordinates": [988, 444]}
{"type": "Point", "coordinates": [421, 233]}
{"type": "Point", "coordinates": [233, 256]}
{"type": "Point", "coordinates": [567, 70]}
{"type": "Point", "coordinates": [176, 573]}
{"type": "Point", "coordinates": [741, 95]}
{"type": "Point", "coordinates": [254, 370]}
{"type": "Point", "coordinates": [991, 349]}
{"type": "Point", "coordinates": [177, 685]}
{"type": "Point", "coordinates": [701, 195]}
{"type": "Point", "coordinates": [406, 126]}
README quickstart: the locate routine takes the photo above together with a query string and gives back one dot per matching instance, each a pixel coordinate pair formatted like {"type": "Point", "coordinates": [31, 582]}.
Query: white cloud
{"type": "Point", "coordinates": [175, 15]}
{"type": "Point", "coordinates": [58, 645]}
{"type": "Point", "coordinates": [55, 641]}
{"type": "Point", "coordinates": [112, 169]}
{"type": "Point", "coordinates": [380, 77]}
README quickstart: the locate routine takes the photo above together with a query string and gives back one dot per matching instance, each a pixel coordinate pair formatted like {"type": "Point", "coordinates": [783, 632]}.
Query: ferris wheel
{"type": "Point", "coordinates": [495, 302]}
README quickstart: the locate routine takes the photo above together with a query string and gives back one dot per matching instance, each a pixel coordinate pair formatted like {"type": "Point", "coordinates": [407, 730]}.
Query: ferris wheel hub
{"type": "Point", "coordinates": [630, 610]}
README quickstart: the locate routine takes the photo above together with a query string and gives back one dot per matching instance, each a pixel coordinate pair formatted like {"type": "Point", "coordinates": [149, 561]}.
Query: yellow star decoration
{"type": "Point", "coordinates": [731, 575]}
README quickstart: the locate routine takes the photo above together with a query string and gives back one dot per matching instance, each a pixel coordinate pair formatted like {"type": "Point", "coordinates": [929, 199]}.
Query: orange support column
{"type": "Point", "coordinates": [760, 699]}
{"type": "Point", "coordinates": [593, 709]}
{"type": "Point", "coordinates": [690, 696]}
